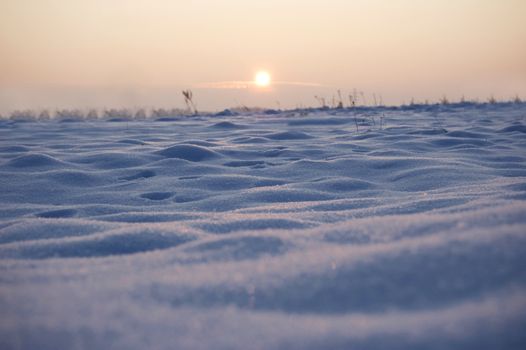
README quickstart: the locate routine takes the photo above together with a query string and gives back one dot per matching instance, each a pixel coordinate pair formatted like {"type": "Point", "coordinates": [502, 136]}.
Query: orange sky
{"type": "Point", "coordinates": [77, 53]}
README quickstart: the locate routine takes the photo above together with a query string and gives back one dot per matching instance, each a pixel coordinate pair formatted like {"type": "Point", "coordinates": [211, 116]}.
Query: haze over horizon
{"type": "Point", "coordinates": [77, 54]}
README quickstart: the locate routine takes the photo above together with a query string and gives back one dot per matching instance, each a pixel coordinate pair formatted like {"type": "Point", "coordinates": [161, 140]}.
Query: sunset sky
{"type": "Point", "coordinates": [126, 53]}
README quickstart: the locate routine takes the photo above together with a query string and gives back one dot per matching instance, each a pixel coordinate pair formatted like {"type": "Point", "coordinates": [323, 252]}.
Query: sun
{"type": "Point", "coordinates": [262, 79]}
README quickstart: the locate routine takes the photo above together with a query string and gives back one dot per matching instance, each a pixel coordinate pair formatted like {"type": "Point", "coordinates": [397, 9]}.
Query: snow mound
{"type": "Point", "coordinates": [34, 161]}
{"type": "Point", "coordinates": [191, 153]}
{"type": "Point", "coordinates": [289, 135]}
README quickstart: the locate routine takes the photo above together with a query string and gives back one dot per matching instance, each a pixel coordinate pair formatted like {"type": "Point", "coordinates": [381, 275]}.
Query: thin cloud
{"type": "Point", "coordinates": [225, 85]}
{"type": "Point", "coordinates": [239, 85]}
{"type": "Point", "coordinates": [297, 83]}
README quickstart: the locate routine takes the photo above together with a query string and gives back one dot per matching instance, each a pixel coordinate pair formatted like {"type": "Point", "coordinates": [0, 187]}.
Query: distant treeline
{"type": "Point", "coordinates": [123, 114]}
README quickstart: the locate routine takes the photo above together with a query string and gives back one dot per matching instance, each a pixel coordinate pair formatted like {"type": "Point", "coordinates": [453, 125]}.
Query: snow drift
{"type": "Point", "coordinates": [340, 229]}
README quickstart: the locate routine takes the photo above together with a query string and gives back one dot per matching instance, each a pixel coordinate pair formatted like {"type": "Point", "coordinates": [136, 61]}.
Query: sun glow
{"type": "Point", "coordinates": [262, 79]}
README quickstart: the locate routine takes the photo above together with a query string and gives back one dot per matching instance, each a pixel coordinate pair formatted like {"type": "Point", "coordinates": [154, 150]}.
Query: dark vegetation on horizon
{"type": "Point", "coordinates": [356, 100]}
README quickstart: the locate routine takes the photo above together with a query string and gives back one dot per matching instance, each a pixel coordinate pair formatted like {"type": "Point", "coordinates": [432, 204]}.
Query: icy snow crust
{"type": "Point", "coordinates": [284, 231]}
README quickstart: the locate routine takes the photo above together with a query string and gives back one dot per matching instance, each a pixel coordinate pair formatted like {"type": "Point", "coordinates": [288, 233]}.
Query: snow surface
{"type": "Point", "coordinates": [290, 230]}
